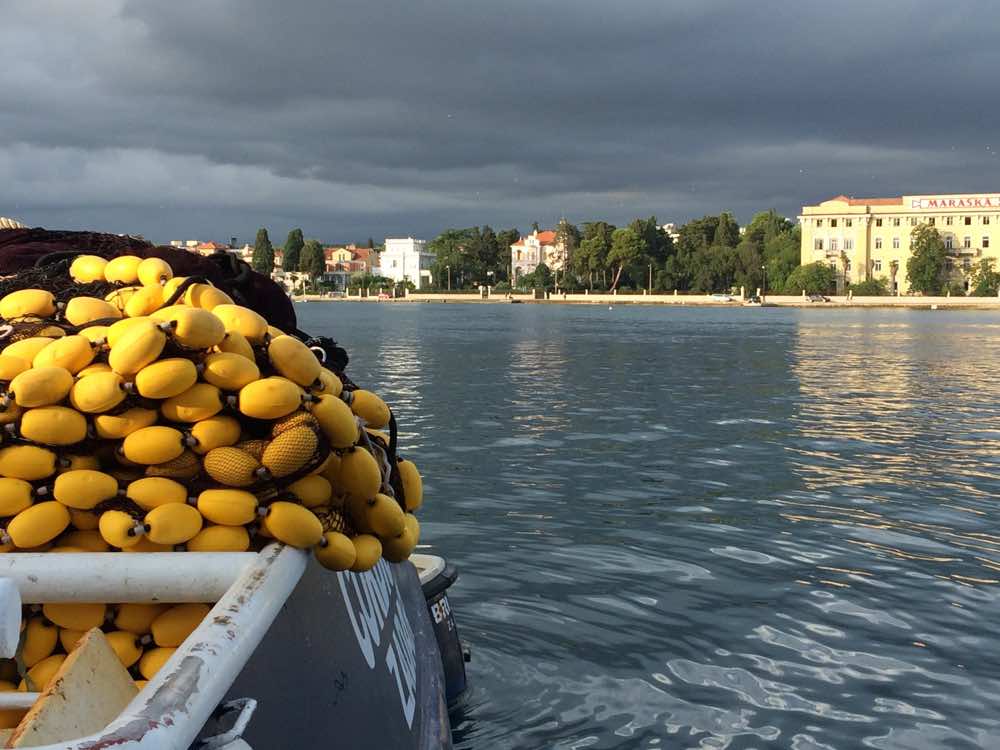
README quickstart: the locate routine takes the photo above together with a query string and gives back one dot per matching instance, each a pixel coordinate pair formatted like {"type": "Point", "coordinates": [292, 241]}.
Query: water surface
{"type": "Point", "coordinates": [706, 528]}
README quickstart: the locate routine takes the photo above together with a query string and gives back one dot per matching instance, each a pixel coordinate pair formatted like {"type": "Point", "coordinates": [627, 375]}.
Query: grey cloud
{"type": "Point", "coordinates": [357, 118]}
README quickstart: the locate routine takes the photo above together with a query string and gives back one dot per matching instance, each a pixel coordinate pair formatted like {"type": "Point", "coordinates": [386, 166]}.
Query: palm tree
{"type": "Point", "coordinates": [844, 263]}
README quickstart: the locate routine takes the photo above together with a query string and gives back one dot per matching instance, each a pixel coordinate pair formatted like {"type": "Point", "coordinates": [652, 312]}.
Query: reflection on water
{"type": "Point", "coordinates": [706, 528]}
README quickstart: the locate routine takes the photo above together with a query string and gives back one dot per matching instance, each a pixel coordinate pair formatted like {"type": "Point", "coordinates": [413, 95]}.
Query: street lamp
{"type": "Point", "coordinates": [763, 286]}
{"type": "Point", "coordinates": [449, 277]}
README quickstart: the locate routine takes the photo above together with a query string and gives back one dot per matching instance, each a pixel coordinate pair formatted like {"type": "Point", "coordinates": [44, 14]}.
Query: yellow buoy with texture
{"type": "Point", "coordinates": [122, 270]}
{"type": "Point", "coordinates": [242, 320]}
{"type": "Point", "coordinates": [83, 310]}
{"type": "Point", "coordinates": [82, 489]}
{"type": "Point", "coordinates": [293, 524]}
{"type": "Point", "coordinates": [153, 445]}
{"type": "Point", "coordinates": [119, 529]}
{"type": "Point", "coordinates": [270, 398]}
{"type": "Point", "coordinates": [215, 432]}
{"type": "Point", "coordinates": [28, 462]}
{"type": "Point", "coordinates": [75, 615]}
{"type": "Point", "coordinates": [152, 492]}
{"type": "Point", "coordinates": [86, 269]}
{"type": "Point", "coordinates": [335, 551]}
{"type": "Point", "coordinates": [172, 523]}
{"type": "Point", "coordinates": [53, 425]}
{"type": "Point", "coordinates": [28, 302]}
{"type": "Point", "coordinates": [220, 539]}
{"type": "Point", "coordinates": [72, 353]}
{"type": "Point", "coordinates": [228, 507]}
{"type": "Point", "coordinates": [229, 371]}
{"type": "Point", "coordinates": [15, 496]}
{"type": "Point", "coordinates": [172, 627]}
{"type": "Point", "coordinates": [153, 660]}
{"type": "Point", "coordinates": [139, 346]}
{"type": "Point", "coordinates": [294, 360]}
{"type": "Point", "coordinates": [41, 386]}
{"type": "Point", "coordinates": [154, 272]}
{"type": "Point", "coordinates": [193, 327]}
{"type": "Point", "coordinates": [166, 378]}
{"type": "Point", "coordinates": [98, 392]}
{"type": "Point", "coordinates": [117, 426]}
{"type": "Point", "coordinates": [200, 401]}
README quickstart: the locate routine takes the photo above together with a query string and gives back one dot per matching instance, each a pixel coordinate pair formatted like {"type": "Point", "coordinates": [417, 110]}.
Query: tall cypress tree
{"type": "Point", "coordinates": [313, 260]}
{"type": "Point", "coordinates": [292, 251]}
{"type": "Point", "coordinates": [263, 253]}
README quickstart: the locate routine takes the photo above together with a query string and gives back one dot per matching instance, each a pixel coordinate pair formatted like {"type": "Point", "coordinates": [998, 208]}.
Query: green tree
{"type": "Point", "coordinates": [727, 233]}
{"type": "Point", "coordinates": [926, 265]}
{"type": "Point", "coordinates": [540, 278]}
{"type": "Point", "coordinates": [263, 253]}
{"type": "Point", "coordinates": [456, 251]}
{"type": "Point", "coordinates": [591, 257]}
{"type": "Point", "coordinates": [766, 225]}
{"type": "Point", "coordinates": [813, 278]}
{"type": "Point", "coordinates": [505, 238]}
{"type": "Point", "coordinates": [871, 287]}
{"type": "Point", "coordinates": [313, 260]}
{"type": "Point", "coordinates": [984, 281]}
{"type": "Point", "coordinates": [627, 248]}
{"type": "Point", "coordinates": [292, 250]}
{"type": "Point", "coordinates": [782, 254]}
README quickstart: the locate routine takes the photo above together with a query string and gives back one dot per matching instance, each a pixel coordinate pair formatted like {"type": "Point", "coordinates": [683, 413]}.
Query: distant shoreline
{"type": "Point", "coordinates": [682, 300]}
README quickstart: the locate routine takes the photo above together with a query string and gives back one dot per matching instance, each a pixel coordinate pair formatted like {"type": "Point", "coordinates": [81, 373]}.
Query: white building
{"type": "Point", "coordinates": [407, 260]}
{"type": "Point", "coordinates": [537, 247]}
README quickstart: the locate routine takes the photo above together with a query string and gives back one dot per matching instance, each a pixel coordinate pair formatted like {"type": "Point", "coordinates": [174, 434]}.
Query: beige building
{"type": "Point", "coordinates": [869, 238]}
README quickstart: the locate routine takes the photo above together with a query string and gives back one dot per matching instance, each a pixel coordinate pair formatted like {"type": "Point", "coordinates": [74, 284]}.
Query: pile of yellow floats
{"type": "Point", "coordinates": [164, 417]}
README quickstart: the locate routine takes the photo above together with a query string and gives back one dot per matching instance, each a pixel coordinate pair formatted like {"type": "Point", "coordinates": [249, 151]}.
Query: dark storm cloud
{"type": "Point", "coordinates": [208, 119]}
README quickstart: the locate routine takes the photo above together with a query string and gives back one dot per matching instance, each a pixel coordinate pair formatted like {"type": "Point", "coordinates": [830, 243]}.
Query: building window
{"type": "Point", "coordinates": [947, 242]}
{"type": "Point", "coordinates": [968, 221]}
{"type": "Point", "coordinates": [878, 265]}
{"type": "Point", "coordinates": [817, 244]}
{"type": "Point", "coordinates": [931, 221]}
{"type": "Point", "coordinates": [847, 266]}
{"type": "Point", "coordinates": [833, 244]}
{"type": "Point", "coordinates": [878, 222]}
{"type": "Point", "coordinates": [986, 242]}
{"type": "Point", "coordinates": [949, 264]}
{"type": "Point", "coordinates": [913, 221]}
{"type": "Point", "coordinates": [833, 222]}
{"type": "Point", "coordinates": [895, 222]}
{"type": "Point", "coordinates": [966, 241]}
{"type": "Point", "coordinates": [819, 222]}
{"type": "Point", "coordinates": [848, 243]}
{"type": "Point", "coordinates": [986, 220]}
{"type": "Point", "coordinates": [833, 265]}
{"type": "Point", "coordinates": [947, 220]}
{"type": "Point", "coordinates": [878, 243]}
{"type": "Point", "coordinates": [848, 222]}
{"type": "Point", "coordinates": [895, 243]}
{"type": "Point", "coordinates": [966, 263]}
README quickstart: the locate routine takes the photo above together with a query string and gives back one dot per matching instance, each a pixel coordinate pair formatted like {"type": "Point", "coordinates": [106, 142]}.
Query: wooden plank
{"type": "Point", "coordinates": [90, 689]}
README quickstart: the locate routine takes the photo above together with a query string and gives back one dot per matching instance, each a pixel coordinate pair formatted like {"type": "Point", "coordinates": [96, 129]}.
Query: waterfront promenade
{"type": "Point", "coordinates": [964, 303]}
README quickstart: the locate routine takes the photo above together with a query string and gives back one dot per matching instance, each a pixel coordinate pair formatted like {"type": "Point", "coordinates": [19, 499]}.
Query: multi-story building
{"type": "Point", "coordinates": [869, 238]}
{"type": "Point", "coordinates": [537, 247]}
{"type": "Point", "coordinates": [407, 260]}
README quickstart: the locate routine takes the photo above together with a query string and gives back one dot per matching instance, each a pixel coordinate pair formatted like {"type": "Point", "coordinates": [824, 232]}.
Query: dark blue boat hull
{"type": "Point", "coordinates": [351, 661]}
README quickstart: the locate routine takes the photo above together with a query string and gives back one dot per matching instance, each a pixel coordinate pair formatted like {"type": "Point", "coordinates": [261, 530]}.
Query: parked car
{"type": "Point", "coordinates": [818, 298]}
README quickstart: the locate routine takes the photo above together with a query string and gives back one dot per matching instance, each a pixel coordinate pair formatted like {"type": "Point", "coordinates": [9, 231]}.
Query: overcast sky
{"type": "Point", "coordinates": [208, 118]}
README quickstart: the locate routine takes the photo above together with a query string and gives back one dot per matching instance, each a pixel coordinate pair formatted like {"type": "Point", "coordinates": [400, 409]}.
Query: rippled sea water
{"type": "Point", "coordinates": [706, 528]}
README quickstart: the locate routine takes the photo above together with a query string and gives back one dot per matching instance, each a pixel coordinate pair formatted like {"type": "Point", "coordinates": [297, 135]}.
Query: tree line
{"type": "Point", "coordinates": [708, 255]}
